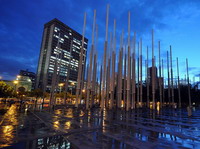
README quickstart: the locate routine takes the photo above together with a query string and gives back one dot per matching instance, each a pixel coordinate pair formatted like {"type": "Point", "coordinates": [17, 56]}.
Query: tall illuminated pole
{"type": "Point", "coordinates": [147, 67]}
{"type": "Point", "coordinates": [90, 65]}
{"type": "Point", "coordinates": [80, 71]}
{"type": "Point", "coordinates": [138, 75]}
{"type": "Point", "coordinates": [113, 66]}
{"type": "Point", "coordinates": [172, 81]}
{"type": "Point", "coordinates": [168, 73]}
{"type": "Point", "coordinates": [146, 76]}
{"type": "Point", "coordinates": [141, 70]}
{"type": "Point", "coordinates": [54, 76]}
{"type": "Point", "coordinates": [118, 83]}
{"type": "Point", "coordinates": [125, 86]}
{"type": "Point", "coordinates": [129, 66]}
{"type": "Point", "coordinates": [100, 85]}
{"type": "Point", "coordinates": [153, 72]}
{"type": "Point", "coordinates": [104, 60]}
{"type": "Point", "coordinates": [133, 73]}
{"type": "Point", "coordinates": [179, 92]}
{"type": "Point", "coordinates": [160, 86]}
{"type": "Point", "coordinates": [120, 71]}
{"type": "Point", "coordinates": [107, 83]}
{"type": "Point", "coordinates": [93, 80]}
{"type": "Point", "coordinates": [188, 82]}
{"type": "Point", "coordinates": [163, 83]}
{"type": "Point", "coordinates": [94, 73]}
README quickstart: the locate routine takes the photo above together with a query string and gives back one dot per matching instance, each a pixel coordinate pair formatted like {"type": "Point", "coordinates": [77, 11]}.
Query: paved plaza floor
{"type": "Point", "coordinates": [68, 127]}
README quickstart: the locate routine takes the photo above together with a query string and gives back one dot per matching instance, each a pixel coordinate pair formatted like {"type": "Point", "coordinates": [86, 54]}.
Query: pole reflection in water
{"type": "Point", "coordinates": [56, 124]}
{"type": "Point", "coordinates": [67, 125]}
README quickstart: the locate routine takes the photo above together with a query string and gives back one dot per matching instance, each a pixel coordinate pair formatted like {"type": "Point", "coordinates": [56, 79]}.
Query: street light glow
{"type": "Point", "coordinates": [15, 82]}
{"type": "Point", "coordinates": [61, 84]}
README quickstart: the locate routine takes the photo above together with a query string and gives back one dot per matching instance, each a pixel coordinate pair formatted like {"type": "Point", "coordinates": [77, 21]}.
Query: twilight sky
{"type": "Point", "coordinates": [176, 23]}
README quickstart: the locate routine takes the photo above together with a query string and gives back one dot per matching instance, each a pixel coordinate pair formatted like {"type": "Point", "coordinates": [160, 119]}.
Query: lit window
{"type": "Point", "coordinates": [66, 36]}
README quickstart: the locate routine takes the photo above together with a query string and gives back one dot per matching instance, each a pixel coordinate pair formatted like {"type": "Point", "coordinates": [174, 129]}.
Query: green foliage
{"type": "Point", "coordinates": [36, 93]}
{"type": "Point", "coordinates": [6, 90]}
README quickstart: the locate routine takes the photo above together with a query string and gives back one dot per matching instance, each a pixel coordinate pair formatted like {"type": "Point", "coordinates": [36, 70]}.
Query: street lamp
{"type": "Point", "coordinates": [61, 85]}
{"type": "Point", "coordinates": [72, 84]}
{"type": "Point", "coordinates": [15, 82]}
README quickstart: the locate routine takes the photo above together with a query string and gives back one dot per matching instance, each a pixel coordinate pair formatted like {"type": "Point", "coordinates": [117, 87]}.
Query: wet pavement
{"type": "Point", "coordinates": [24, 127]}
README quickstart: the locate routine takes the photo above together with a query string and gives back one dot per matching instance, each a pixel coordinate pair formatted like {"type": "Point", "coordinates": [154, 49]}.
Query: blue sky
{"type": "Point", "coordinates": [175, 23]}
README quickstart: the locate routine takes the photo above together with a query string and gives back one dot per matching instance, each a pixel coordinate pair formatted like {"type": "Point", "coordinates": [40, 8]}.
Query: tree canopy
{"type": "Point", "coordinates": [6, 90]}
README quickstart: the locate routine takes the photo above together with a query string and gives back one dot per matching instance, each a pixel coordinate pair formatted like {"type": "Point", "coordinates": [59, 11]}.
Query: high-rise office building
{"type": "Point", "coordinates": [60, 50]}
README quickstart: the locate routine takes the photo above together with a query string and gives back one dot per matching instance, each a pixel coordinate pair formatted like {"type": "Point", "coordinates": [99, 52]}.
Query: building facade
{"type": "Point", "coordinates": [21, 83]}
{"type": "Point", "coordinates": [60, 51]}
{"type": "Point", "coordinates": [29, 74]}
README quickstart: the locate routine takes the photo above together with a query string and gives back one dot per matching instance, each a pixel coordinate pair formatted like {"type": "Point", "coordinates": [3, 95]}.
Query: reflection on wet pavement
{"type": "Point", "coordinates": [77, 128]}
{"type": "Point", "coordinates": [8, 124]}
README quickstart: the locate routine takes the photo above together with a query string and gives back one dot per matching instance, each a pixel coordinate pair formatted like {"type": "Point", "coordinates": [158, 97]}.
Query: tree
{"type": "Point", "coordinates": [36, 93]}
{"type": "Point", "coordinates": [6, 90]}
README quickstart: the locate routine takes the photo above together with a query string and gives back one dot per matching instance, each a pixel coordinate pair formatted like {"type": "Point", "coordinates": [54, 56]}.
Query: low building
{"type": "Point", "coordinates": [22, 83]}
{"type": "Point", "coordinates": [29, 74]}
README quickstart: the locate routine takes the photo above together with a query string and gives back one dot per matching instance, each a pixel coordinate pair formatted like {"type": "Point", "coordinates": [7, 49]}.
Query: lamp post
{"type": "Point", "coordinates": [15, 83]}
{"type": "Point", "coordinates": [61, 85]}
{"type": "Point", "coordinates": [72, 84]}
{"type": "Point", "coordinates": [83, 92]}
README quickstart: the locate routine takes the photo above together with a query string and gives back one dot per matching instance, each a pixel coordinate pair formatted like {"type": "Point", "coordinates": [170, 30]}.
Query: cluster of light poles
{"type": "Point", "coordinates": [121, 74]}
{"type": "Point", "coordinates": [119, 80]}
